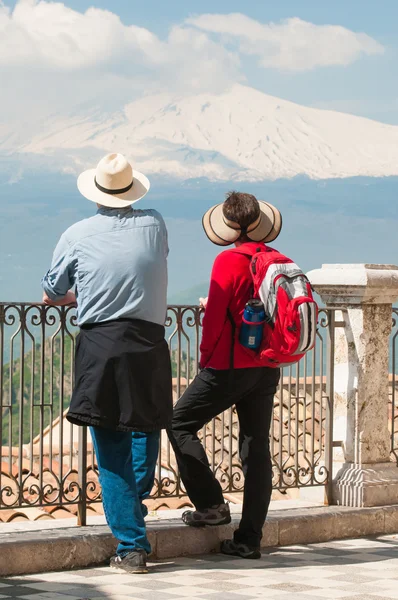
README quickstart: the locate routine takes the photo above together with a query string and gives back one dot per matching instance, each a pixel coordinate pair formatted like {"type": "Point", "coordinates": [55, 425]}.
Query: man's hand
{"type": "Point", "coordinates": [203, 303]}
{"type": "Point", "coordinates": [68, 300]}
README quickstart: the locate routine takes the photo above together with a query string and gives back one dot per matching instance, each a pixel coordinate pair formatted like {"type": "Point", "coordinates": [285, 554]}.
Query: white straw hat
{"type": "Point", "coordinates": [223, 232]}
{"type": "Point", "coordinates": [113, 183]}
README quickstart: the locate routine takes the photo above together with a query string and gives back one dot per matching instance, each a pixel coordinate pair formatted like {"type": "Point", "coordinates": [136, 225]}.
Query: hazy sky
{"type": "Point", "coordinates": [340, 54]}
{"type": "Point", "coordinates": [80, 57]}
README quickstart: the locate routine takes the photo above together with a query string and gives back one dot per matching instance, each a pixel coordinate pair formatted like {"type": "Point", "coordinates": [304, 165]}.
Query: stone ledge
{"type": "Point", "coordinates": [27, 552]}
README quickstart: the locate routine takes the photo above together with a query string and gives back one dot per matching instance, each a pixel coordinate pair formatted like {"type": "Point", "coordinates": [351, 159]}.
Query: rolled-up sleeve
{"type": "Point", "coordinates": [61, 276]}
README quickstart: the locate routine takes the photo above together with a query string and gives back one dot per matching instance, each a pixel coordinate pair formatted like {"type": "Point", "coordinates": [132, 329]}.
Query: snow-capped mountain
{"type": "Point", "coordinates": [242, 135]}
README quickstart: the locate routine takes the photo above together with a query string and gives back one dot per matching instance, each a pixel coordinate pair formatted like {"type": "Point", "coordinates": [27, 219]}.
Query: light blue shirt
{"type": "Point", "coordinates": [117, 260]}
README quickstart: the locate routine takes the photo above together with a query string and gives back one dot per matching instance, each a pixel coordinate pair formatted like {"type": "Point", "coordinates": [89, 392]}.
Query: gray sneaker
{"type": "Point", "coordinates": [213, 516]}
{"type": "Point", "coordinates": [232, 548]}
{"type": "Point", "coordinates": [133, 562]}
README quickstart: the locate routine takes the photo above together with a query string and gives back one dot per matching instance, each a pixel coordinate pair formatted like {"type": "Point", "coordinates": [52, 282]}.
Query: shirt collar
{"type": "Point", "coordinates": [104, 210]}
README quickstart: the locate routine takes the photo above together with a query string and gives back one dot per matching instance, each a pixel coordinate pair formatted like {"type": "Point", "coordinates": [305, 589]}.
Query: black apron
{"type": "Point", "coordinates": [122, 377]}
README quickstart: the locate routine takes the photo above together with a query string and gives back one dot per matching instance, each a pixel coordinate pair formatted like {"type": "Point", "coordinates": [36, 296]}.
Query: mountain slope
{"type": "Point", "coordinates": [240, 135]}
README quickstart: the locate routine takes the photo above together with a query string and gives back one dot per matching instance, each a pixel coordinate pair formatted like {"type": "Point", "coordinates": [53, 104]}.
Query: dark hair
{"type": "Point", "coordinates": [241, 208]}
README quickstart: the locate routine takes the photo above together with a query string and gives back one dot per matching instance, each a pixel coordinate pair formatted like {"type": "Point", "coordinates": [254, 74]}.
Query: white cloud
{"type": "Point", "coordinates": [49, 35]}
{"type": "Point", "coordinates": [39, 34]}
{"type": "Point", "coordinates": [293, 44]}
{"type": "Point", "coordinates": [57, 61]}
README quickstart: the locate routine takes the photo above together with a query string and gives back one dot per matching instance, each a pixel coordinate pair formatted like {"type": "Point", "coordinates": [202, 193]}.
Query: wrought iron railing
{"type": "Point", "coordinates": [45, 461]}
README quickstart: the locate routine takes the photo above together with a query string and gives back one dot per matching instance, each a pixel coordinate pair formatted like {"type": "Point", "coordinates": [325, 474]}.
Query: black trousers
{"type": "Point", "coordinates": [212, 392]}
{"type": "Point", "coordinates": [122, 377]}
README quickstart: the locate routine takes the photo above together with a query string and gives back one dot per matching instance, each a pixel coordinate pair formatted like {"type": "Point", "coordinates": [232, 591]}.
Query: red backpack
{"type": "Point", "coordinates": [290, 309]}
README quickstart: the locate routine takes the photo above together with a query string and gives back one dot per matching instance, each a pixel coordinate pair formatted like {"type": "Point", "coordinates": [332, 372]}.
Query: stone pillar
{"type": "Point", "coordinates": [365, 294]}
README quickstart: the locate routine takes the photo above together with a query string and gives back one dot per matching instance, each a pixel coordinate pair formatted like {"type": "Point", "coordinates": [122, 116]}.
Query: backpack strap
{"type": "Point", "coordinates": [250, 256]}
{"type": "Point", "coordinates": [232, 351]}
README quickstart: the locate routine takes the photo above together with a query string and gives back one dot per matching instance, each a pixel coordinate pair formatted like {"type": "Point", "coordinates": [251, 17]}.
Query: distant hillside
{"type": "Point", "coordinates": [38, 393]}
{"type": "Point", "coordinates": [41, 397]}
{"type": "Point", "coordinates": [190, 296]}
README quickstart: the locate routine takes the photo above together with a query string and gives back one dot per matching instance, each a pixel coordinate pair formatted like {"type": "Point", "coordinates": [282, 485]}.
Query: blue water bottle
{"type": "Point", "coordinates": [251, 332]}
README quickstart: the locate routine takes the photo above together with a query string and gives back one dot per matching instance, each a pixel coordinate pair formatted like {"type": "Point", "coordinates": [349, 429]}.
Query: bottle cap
{"type": "Point", "coordinates": [256, 304]}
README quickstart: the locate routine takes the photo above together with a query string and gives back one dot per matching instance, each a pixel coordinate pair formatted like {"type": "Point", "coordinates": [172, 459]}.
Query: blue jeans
{"type": "Point", "coordinates": [126, 463]}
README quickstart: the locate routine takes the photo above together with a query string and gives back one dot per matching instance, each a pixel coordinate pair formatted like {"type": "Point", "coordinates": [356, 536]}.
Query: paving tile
{"type": "Point", "coordinates": [140, 584]}
{"type": "Point", "coordinates": [366, 556]}
{"type": "Point", "coordinates": [248, 572]}
{"type": "Point", "coordinates": [292, 587]}
{"type": "Point", "coordinates": [113, 597]}
{"type": "Point", "coordinates": [53, 596]}
{"type": "Point", "coordinates": [365, 569]}
{"type": "Point", "coordinates": [218, 575]}
{"type": "Point", "coordinates": [327, 552]}
{"type": "Point", "coordinates": [15, 581]}
{"type": "Point", "coordinates": [47, 586]}
{"type": "Point", "coordinates": [240, 595]}
{"type": "Point", "coordinates": [326, 584]}
{"type": "Point", "coordinates": [109, 578]}
{"type": "Point", "coordinates": [105, 591]}
{"type": "Point", "coordinates": [354, 577]}
{"type": "Point", "coordinates": [361, 568]}
{"type": "Point", "coordinates": [288, 596]}
{"type": "Point", "coordinates": [227, 586]}
{"type": "Point", "coordinates": [380, 566]}
{"type": "Point", "coordinates": [308, 557]}
{"type": "Point", "coordinates": [186, 590]}
{"type": "Point", "coordinates": [309, 573]}
{"type": "Point", "coordinates": [330, 593]}
{"type": "Point", "coordinates": [22, 590]}
{"type": "Point", "coordinates": [387, 583]}
{"type": "Point", "coordinates": [147, 595]}
{"type": "Point", "coordinates": [390, 592]}
{"type": "Point", "coordinates": [259, 592]}
{"type": "Point", "coordinates": [84, 592]}
{"type": "Point", "coordinates": [181, 580]}
{"type": "Point", "coordinates": [368, 597]}
{"type": "Point", "coordinates": [366, 588]}
{"type": "Point", "coordinates": [66, 576]}
{"type": "Point", "coordinates": [121, 597]}
{"type": "Point", "coordinates": [88, 573]}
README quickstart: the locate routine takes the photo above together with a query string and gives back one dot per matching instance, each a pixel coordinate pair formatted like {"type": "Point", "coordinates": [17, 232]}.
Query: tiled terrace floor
{"type": "Point", "coordinates": [363, 569]}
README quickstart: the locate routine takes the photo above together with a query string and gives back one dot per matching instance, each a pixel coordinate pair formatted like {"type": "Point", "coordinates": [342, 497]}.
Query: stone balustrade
{"type": "Point", "coordinates": [365, 294]}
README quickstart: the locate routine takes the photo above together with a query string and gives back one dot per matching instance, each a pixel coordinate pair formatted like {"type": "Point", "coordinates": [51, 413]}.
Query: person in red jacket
{"type": "Point", "coordinates": [230, 375]}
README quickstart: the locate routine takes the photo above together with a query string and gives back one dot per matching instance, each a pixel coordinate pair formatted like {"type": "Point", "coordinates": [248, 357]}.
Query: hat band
{"type": "Point", "coordinates": [228, 223]}
{"type": "Point", "coordinates": [243, 230]}
{"type": "Point", "coordinates": [253, 226]}
{"type": "Point", "coordinates": [112, 192]}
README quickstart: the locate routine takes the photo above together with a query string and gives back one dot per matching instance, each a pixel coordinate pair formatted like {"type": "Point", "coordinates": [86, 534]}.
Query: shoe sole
{"type": "Point", "coordinates": [224, 521]}
{"type": "Point", "coordinates": [138, 571]}
{"type": "Point", "coordinates": [252, 556]}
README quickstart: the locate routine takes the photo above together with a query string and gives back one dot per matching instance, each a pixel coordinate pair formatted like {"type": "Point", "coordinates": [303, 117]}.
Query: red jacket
{"type": "Point", "coordinates": [230, 287]}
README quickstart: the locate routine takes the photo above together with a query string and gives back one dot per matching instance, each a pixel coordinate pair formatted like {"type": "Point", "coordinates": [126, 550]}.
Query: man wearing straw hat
{"type": "Point", "coordinates": [117, 261]}
{"type": "Point", "coordinates": [245, 222]}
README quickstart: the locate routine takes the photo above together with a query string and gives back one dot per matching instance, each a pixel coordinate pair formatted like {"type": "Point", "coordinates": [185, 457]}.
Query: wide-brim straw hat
{"type": "Point", "coordinates": [114, 183]}
{"type": "Point", "coordinates": [223, 232]}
